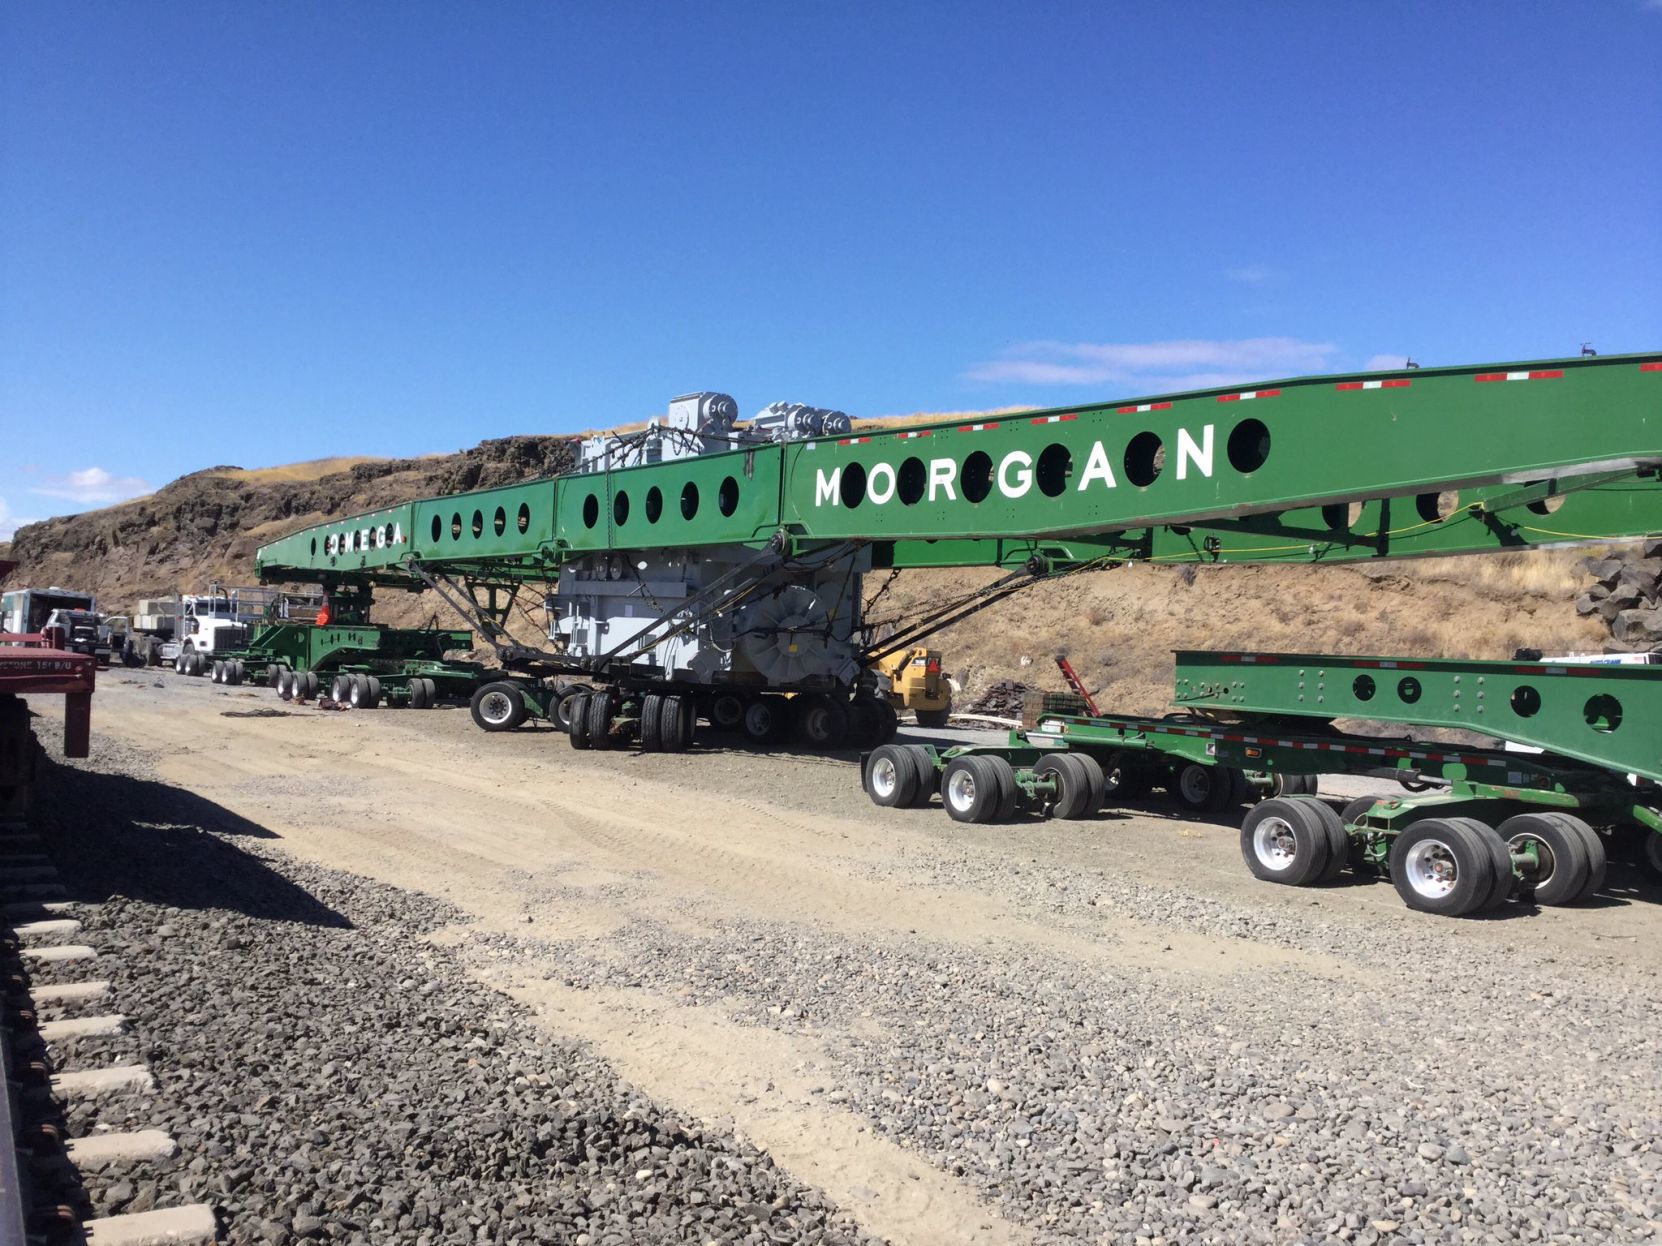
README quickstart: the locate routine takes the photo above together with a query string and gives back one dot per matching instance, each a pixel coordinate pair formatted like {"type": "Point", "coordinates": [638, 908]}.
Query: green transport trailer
{"type": "Point", "coordinates": [345, 656]}
{"type": "Point", "coordinates": [1476, 825]}
{"type": "Point", "coordinates": [707, 568]}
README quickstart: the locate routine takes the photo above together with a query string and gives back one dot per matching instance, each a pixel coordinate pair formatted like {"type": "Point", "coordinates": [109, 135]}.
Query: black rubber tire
{"type": "Point", "coordinates": [1356, 809]}
{"type": "Point", "coordinates": [684, 712]}
{"type": "Point", "coordinates": [216, 673]}
{"type": "Point", "coordinates": [652, 741]}
{"type": "Point", "coordinates": [821, 721]}
{"type": "Point", "coordinates": [579, 729]}
{"type": "Point", "coordinates": [1009, 790]}
{"type": "Point", "coordinates": [1456, 848]}
{"type": "Point", "coordinates": [559, 709]}
{"type": "Point", "coordinates": [1284, 784]}
{"type": "Point", "coordinates": [357, 691]}
{"type": "Point", "coordinates": [864, 727]}
{"type": "Point", "coordinates": [1559, 848]}
{"type": "Point", "coordinates": [765, 719]}
{"type": "Point", "coordinates": [1598, 860]}
{"type": "Point", "coordinates": [727, 711]}
{"type": "Point", "coordinates": [432, 692]}
{"type": "Point", "coordinates": [888, 722]}
{"type": "Point", "coordinates": [239, 671]}
{"type": "Point", "coordinates": [418, 693]}
{"type": "Point", "coordinates": [1338, 843]}
{"type": "Point", "coordinates": [923, 765]}
{"type": "Point", "coordinates": [1096, 783]}
{"type": "Point", "coordinates": [340, 689]}
{"type": "Point", "coordinates": [1501, 855]}
{"type": "Point", "coordinates": [285, 683]}
{"type": "Point", "coordinates": [1285, 841]}
{"type": "Point", "coordinates": [308, 685]}
{"type": "Point", "coordinates": [1240, 789]}
{"type": "Point", "coordinates": [599, 714]}
{"type": "Point", "coordinates": [275, 673]}
{"type": "Point", "coordinates": [374, 691]}
{"type": "Point", "coordinates": [971, 789]}
{"type": "Point", "coordinates": [891, 778]}
{"type": "Point", "coordinates": [502, 714]}
{"type": "Point", "coordinates": [1202, 789]}
{"type": "Point", "coordinates": [1128, 782]}
{"type": "Point", "coordinates": [1073, 795]}
{"type": "Point", "coordinates": [934, 720]}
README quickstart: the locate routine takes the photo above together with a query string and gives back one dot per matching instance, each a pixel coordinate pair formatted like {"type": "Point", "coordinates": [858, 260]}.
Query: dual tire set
{"type": "Point", "coordinates": [816, 719]}
{"type": "Point", "coordinates": [982, 787]}
{"type": "Point", "coordinates": [1451, 866]}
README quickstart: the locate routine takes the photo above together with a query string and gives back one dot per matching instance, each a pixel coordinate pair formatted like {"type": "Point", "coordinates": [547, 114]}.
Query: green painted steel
{"type": "Point", "coordinates": [1608, 716]}
{"type": "Point", "coordinates": [1539, 453]}
{"type": "Point", "coordinates": [308, 647]}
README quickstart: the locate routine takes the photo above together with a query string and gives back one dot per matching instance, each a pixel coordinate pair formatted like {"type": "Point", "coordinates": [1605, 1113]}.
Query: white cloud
{"type": "Point", "coordinates": [1255, 274]}
{"type": "Point", "coordinates": [1393, 363]}
{"type": "Point", "coordinates": [8, 524]}
{"type": "Point", "coordinates": [92, 486]}
{"type": "Point", "coordinates": [1188, 363]}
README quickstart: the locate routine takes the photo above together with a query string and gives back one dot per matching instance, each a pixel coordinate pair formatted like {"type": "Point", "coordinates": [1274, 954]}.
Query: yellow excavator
{"type": "Point", "coordinates": [917, 683]}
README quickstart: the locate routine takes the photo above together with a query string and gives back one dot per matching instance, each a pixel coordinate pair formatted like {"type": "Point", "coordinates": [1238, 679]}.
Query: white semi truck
{"type": "Point", "coordinates": [186, 631]}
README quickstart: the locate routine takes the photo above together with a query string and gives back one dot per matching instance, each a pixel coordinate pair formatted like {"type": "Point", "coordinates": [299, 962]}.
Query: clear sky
{"type": "Point", "coordinates": [255, 233]}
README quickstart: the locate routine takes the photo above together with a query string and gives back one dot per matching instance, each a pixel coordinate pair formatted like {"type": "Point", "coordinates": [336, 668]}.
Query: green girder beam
{"type": "Point", "coordinates": [1313, 469]}
{"type": "Point", "coordinates": [1609, 716]}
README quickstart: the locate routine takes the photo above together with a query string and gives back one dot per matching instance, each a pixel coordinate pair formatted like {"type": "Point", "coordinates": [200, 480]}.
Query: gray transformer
{"type": "Point", "coordinates": [666, 614]}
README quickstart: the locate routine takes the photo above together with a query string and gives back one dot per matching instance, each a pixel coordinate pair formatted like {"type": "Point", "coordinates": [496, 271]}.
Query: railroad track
{"type": "Point", "coordinates": [42, 1195]}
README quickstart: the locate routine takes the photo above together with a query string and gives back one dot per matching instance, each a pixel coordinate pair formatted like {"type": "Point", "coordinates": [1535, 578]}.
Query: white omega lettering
{"type": "Point", "coordinates": [1023, 476]}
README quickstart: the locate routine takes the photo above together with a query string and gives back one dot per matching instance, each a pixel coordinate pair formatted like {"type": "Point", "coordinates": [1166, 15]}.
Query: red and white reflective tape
{"type": "Point", "coordinates": [1650, 367]}
{"type": "Point", "coordinates": [1249, 395]}
{"type": "Point", "coordinates": [1389, 664]}
{"type": "Point", "coordinates": [922, 432]}
{"type": "Point", "coordinates": [1552, 374]}
{"type": "Point", "coordinates": [1350, 385]}
{"type": "Point", "coordinates": [853, 441]}
{"type": "Point", "coordinates": [1142, 407]}
{"type": "Point", "coordinates": [975, 428]}
{"type": "Point", "coordinates": [1054, 419]}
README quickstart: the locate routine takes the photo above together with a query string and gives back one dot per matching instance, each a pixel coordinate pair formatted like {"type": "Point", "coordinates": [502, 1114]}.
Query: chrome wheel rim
{"type": "Point", "coordinates": [1431, 869]}
{"type": "Point", "coordinates": [960, 790]}
{"type": "Point", "coordinates": [1275, 844]}
{"type": "Point", "coordinates": [884, 777]}
{"type": "Point", "coordinates": [495, 707]}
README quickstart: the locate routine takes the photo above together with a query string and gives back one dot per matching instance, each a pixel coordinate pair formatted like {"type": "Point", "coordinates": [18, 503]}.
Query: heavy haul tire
{"type": "Point", "coordinates": [923, 764]}
{"type": "Point", "coordinates": [680, 721]}
{"type": "Point", "coordinates": [1284, 784]}
{"type": "Point", "coordinates": [308, 685]}
{"type": "Point", "coordinates": [1338, 843]}
{"type": "Point", "coordinates": [432, 687]}
{"type": "Point", "coordinates": [934, 720]}
{"type": "Point", "coordinates": [891, 778]}
{"type": "Point", "coordinates": [1500, 857]}
{"type": "Point", "coordinates": [863, 724]}
{"type": "Point", "coordinates": [1439, 865]}
{"type": "Point", "coordinates": [1563, 868]}
{"type": "Point", "coordinates": [764, 719]}
{"type": "Point", "coordinates": [216, 674]}
{"type": "Point", "coordinates": [1079, 781]}
{"type": "Point", "coordinates": [559, 709]}
{"type": "Point", "coordinates": [1598, 860]}
{"type": "Point", "coordinates": [498, 706]}
{"type": "Point", "coordinates": [1284, 840]}
{"type": "Point", "coordinates": [418, 693]}
{"type": "Point", "coordinates": [366, 692]}
{"type": "Point", "coordinates": [599, 715]}
{"type": "Point", "coordinates": [274, 673]}
{"type": "Point", "coordinates": [340, 689]}
{"type": "Point", "coordinates": [285, 683]}
{"type": "Point", "coordinates": [579, 728]}
{"type": "Point", "coordinates": [727, 711]}
{"type": "Point", "coordinates": [821, 721]}
{"type": "Point", "coordinates": [972, 789]}
{"type": "Point", "coordinates": [1203, 789]}
{"type": "Point", "coordinates": [888, 722]}
{"type": "Point", "coordinates": [652, 741]}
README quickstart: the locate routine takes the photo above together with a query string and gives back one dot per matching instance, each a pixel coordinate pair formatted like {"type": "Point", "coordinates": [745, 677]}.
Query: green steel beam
{"type": "Point", "coordinates": [1330, 468]}
{"type": "Point", "coordinates": [1608, 716]}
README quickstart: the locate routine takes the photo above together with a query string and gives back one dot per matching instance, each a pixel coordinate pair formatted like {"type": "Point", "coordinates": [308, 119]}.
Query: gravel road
{"type": "Point", "coordinates": [385, 926]}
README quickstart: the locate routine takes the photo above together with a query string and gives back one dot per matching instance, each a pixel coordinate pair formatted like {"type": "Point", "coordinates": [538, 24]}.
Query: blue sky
{"type": "Point", "coordinates": [254, 233]}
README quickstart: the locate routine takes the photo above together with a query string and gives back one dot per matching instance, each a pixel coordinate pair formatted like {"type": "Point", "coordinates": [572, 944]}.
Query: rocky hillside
{"type": "Point", "coordinates": [207, 525]}
{"type": "Point", "coordinates": [1119, 626]}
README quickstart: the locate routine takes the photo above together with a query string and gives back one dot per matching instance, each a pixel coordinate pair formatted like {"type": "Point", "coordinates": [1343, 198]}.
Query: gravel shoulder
{"type": "Point", "coordinates": [1045, 1032]}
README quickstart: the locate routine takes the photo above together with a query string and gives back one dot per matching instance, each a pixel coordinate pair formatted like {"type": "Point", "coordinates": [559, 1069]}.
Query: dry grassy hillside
{"type": "Point", "coordinates": [1119, 627]}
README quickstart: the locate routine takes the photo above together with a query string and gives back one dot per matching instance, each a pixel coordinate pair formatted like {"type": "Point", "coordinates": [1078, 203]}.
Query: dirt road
{"type": "Point", "coordinates": [1044, 1032]}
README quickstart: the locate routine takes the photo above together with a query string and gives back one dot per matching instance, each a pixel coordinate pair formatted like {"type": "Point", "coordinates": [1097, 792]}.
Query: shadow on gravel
{"type": "Point", "coordinates": [116, 835]}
